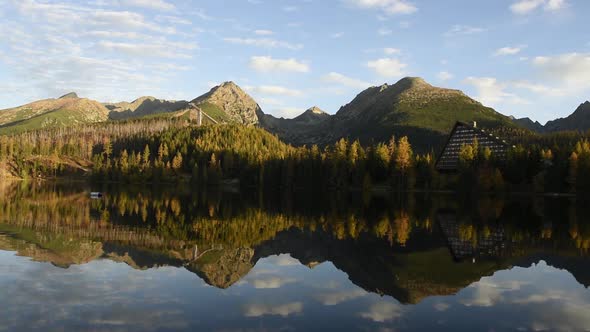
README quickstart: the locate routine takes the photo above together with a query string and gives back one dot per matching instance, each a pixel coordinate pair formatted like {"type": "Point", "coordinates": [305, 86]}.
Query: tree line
{"type": "Point", "coordinates": [169, 150]}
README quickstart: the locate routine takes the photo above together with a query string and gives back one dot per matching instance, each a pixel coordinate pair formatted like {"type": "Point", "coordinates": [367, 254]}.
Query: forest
{"type": "Point", "coordinates": [170, 150]}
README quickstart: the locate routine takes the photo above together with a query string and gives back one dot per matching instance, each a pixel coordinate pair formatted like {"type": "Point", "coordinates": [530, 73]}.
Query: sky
{"type": "Point", "coordinates": [527, 58]}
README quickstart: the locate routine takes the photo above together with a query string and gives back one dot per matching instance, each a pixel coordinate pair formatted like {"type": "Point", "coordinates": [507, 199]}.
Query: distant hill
{"type": "Point", "coordinates": [579, 120]}
{"type": "Point", "coordinates": [312, 115]}
{"type": "Point", "coordinates": [529, 124]}
{"type": "Point", "coordinates": [144, 106]}
{"type": "Point", "coordinates": [65, 111]}
{"type": "Point", "coordinates": [299, 130]}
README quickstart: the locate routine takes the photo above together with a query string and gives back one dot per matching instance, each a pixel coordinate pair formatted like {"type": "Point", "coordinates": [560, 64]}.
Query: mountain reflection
{"type": "Point", "coordinates": [409, 248]}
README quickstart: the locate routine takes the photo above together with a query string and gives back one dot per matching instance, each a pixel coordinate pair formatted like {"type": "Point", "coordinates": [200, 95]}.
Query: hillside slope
{"type": "Point", "coordinates": [411, 107]}
{"type": "Point", "coordinates": [67, 110]}
{"type": "Point", "coordinates": [579, 120]}
{"type": "Point", "coordinates": [143, 106]}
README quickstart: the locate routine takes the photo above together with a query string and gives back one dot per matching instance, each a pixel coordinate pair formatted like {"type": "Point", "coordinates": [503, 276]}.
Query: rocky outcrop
{"type": "Point", "coordinates": [235, 104]}
{"type": "Point", "coordinates": [223, 267]}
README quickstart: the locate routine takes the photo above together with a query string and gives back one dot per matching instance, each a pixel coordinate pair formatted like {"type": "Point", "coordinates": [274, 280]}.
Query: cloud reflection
{"type": "Point", "coordinates": [383, 312]}
{"type": "Point", "coordinates": [284, 310]}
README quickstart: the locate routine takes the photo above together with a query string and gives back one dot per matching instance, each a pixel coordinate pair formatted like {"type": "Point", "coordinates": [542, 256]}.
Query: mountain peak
{"type": "Point", "coordinates": [312, 115]}
{"type": "Point", "coordinates": [69, 95]}
{"type": "Point", "coordinates": [315, 110]}
{"type": "Point", "coordinates": [413, 82]}
{"type": "Point", "coordinates": [579, 120]}
{"type": "Point", "coordinates": [230, 103]}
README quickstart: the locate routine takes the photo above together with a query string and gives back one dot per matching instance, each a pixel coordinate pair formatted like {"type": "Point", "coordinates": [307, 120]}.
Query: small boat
{"type": "Point", "coordinates": [95, 194]}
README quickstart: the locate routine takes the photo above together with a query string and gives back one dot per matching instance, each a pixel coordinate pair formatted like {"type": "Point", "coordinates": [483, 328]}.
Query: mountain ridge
{"type": "Point", "coordinates": [410, 107]}
{"type": "Point", "coordinates": [64, 111]}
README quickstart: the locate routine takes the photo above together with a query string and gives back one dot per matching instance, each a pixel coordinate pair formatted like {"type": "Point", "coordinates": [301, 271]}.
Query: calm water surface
{"type": "Point", "coordinates": [158, 259]}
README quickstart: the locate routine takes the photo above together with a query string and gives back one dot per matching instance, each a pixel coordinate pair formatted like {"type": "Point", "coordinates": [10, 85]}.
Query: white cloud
{"type": "Point", "coordinates": [555, 4]}
{"type": "Point", "coordinates": [287, 112]}
{"type": "Point", "coordinates": [151, 4]}
{"type": "Point", "coordinates": [263, 42]}
{"type": "Point", "coordinates": [99, 52]}
{"type": "Point", "coordinates": [508, 50]}
{"type": "Point", "coordinates": [538, 88]}
{"type": "Point", "coordinates": [390, 7]}
{"type": "Point", "coordinates": [383, 312]}
{"type": "Point", "coordinates": [571, 70]}
{"type": "Point", "coordinates": [463, 30]}
{"type": "Point", "coordinates": [273, 90]}
{"type": "Point", "coordinates": [527, 6]}
{"type": "Point", "coordinates": [284, 310]}
{"type": "Point", "coordinates": [270, 101]}
{"type": "Point", "coordinates": [444, 76]}
{"type": "Point", "coordinates": [337, 35]}
{"type": "Point", "coordinates": [384, 32]}
{"type": "Point", "coordinates": [338, 78]}
{"type": "Point", "coordinates": [391, 51]}
{"type": "Point", "coordinates": [387, 67]}
{"type": "Point", "coordinates": [264, 32]}
{"type": "Point", "coordinates": [268, 64]}
{"type": "Point", "coordinates": [173, 19]}
{"type": "Point", "coordinates": [491, 91]}
{"type": "Point", "coordinates": [164, 50]}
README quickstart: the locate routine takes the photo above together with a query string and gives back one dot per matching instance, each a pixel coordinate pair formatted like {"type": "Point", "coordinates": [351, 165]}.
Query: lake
{"type": "Point", "coordinates": [185, 259]}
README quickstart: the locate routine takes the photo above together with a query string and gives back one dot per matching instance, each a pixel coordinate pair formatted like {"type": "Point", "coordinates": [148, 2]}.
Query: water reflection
{"type": "Point", "coordinates": [130, 261]}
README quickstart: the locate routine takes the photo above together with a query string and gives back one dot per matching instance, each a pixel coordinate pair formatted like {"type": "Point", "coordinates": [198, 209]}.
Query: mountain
{"type": "Point", "coordinates": [229, 103]}
{"type": "Point", "coordinates": [312, 115]}
{"type": "Point", "coordinates": [411, 107]}
{"type": "Point", "coordinates": [67, 110]}
{"type": "Point", "coordinates": [529, 124]}
{"type": "Point", "coordinates": [144, 106]}
{"type": "Point", "coordinates": [299, 130]}
{"type": "Point", "coordinates": [579, 120]}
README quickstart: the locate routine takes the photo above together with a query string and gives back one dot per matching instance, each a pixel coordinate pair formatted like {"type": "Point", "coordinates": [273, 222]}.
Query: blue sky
{"type": "Point", "coordinates": [522, 57]}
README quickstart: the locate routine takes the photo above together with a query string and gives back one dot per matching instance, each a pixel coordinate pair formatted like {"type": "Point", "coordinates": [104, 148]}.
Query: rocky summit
{"type": "Point", "coordinates": [229, 103]}
{"type": "Point", "coordinates": [312, 115]}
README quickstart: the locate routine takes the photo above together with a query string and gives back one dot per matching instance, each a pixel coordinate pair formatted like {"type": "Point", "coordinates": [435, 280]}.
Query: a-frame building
{"type": "Point", "coordinates": [463, 134]}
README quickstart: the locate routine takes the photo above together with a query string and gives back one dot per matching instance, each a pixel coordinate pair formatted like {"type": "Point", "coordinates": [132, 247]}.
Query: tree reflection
{"type": "Point", "coordinates": [407, 247]}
